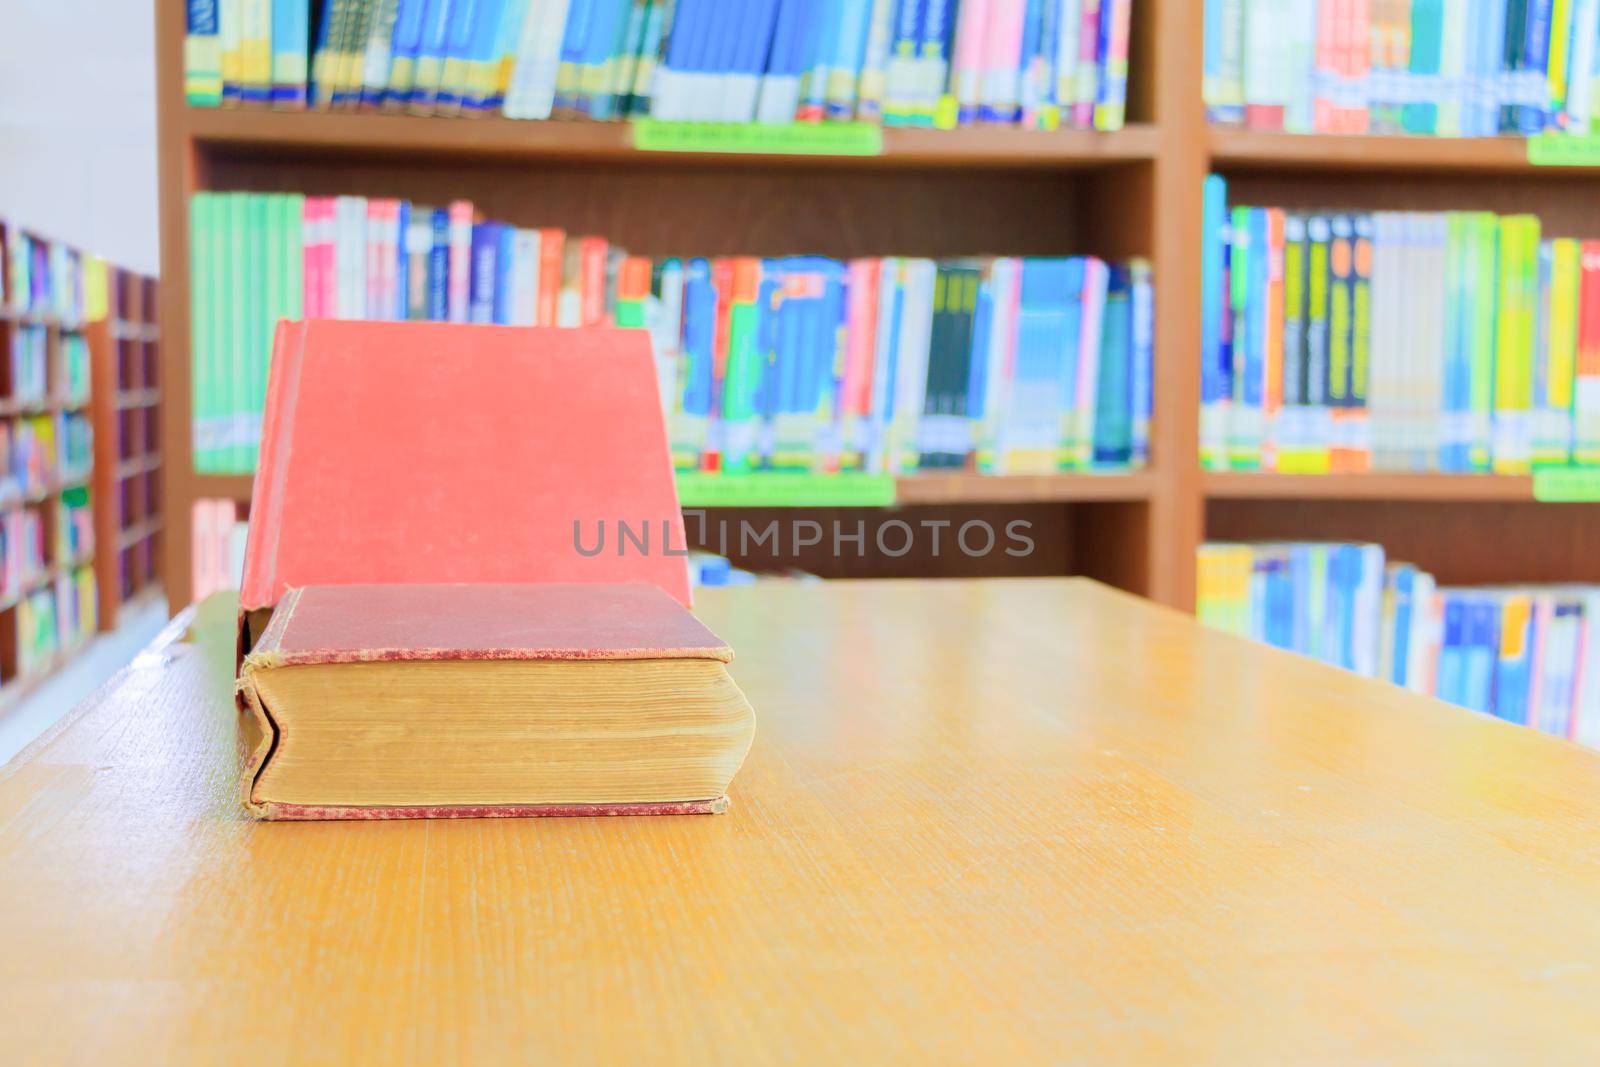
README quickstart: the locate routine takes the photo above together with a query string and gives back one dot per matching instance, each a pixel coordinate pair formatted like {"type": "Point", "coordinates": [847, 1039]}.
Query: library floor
{"type": "Point", "coordinates": [88, 671]}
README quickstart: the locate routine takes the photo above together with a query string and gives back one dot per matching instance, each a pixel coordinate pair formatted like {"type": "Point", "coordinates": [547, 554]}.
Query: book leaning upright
{"type": "Point", "coordinates": [397, 659]}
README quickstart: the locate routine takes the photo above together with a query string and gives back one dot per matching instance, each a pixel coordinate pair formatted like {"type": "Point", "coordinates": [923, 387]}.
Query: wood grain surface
{"type": "Point", "coordinates": [1030, 820]}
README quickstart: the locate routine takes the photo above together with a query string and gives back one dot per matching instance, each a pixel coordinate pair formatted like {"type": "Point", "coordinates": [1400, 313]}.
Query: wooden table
{"type": "Point", "coordinates": [1032, 820]}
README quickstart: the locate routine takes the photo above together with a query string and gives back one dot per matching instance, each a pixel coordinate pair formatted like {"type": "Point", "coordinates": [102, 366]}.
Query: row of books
{"type": "Point", "coordinates": [41, 277]}
{"type": "Point", "coordinates": [23, 561]}
{"type": "Point", "coordinates": [74, 525]}
{"type": "Point", "coordinates": [1451, 68]}
{"type": "Point", "coordinates": [30, 365]}
{"type": "Point", "coordinates": [1528, 654]}
{"type": "Point", "coordinates": [1404, 341]}
{"type": "Point", "coordinates": [39, 452]}
{"type": "Point", "coordinates": [1038, 63]}
{"type": "Point", "coordinates": [55, 619]}
{"type": "Point", "coordinates": [799, 362]}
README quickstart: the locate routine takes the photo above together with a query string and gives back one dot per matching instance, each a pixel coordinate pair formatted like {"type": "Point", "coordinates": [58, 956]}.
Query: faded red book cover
{"type": "Point", "coordinates": [361, 624]}
{"type": "Point", "coordinates": [435, 452]}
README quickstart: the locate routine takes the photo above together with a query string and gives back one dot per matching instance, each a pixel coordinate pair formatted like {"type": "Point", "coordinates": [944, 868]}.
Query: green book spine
{"type": "Point", "coordinates": [236, 323]}
{"type": "Point", "coordinates": [202, 318]}
{"type": "Point", "coordinates": [271, 303]}
{"type": "Point", "coordinates": [743, 374]}
{"type": "Point", "coordinates": [1482, 304]}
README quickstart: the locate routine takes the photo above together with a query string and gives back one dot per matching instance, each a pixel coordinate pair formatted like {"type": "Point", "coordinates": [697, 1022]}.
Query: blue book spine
{"type": "Point", "coordinates": [978, 370]}
{"type": "Point", "coordinates": [850, 48]}
{"type": "Point", "coordinates": [502, 298]}
{"type": "Point", "coordinates": [291, 38]}
{"type": "Point", "coordinates": [1450, 683]}
{"type": "Point", "coordinates": [439, 268]}
{"type": "Point", "coordinates": [699, 324]}
{"type": "Point", "coordinates": [432, 50]}
{"type": "Point", "coordinates": [458, 48]}
{"type": "Point", "coordinates": [407, 42]}
{"type": "Point", "coordinates": [399, 309]}
{"type": "Point", "coordinates": [1404, 592]}
{"type": "Point", "coordinates": [824, 42]}
{"type": "Point", "coordinates": [202, 67]}
{"type": "Point", "coordinates": [1069, 300]}
{"type": "Point", "coordinates": [1212, 254]}
{"type": "Point", "coordinates": [933, 52]}
{"type": "Point", "coordinates": [1483, 649]}
{"type": "Point", "coordinates": [482, 54]}
{"type": "Point", "coordinates": [1300, 596]}
{"type": "Point", "coordinates": [485, 252]}
{"type": "Point", "coordinates": [316, 92]}
{"type": "Point", "coordinates": [1252, 390]}
{"type": "Point", "coordinates": [1144, 351]}
{"type": "Point", "coordinates": [1113, 421]}
{"type": "Point", "coordinates": [1513, 670]}
{"type": "Point", "coordinates": [901, 86]}
{"type": "Point", "coordinates": [606, 29]}
{"type": "Point", "coordinates": [1534, 111]}
{"type": "Point", "coordinates": [720, 68]}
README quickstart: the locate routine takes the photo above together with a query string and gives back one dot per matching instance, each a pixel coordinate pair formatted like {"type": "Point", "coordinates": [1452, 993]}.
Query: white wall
{"type": "Point", "coordinates": [78, 124]}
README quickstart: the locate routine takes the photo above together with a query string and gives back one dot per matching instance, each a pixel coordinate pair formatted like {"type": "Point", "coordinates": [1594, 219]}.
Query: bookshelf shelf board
{"type": "Point", "coordinates": [222, 486]}
{"type": "Point", "coordinates": [1460, 488]}
{"type": "Point", "coordinates": [965, 488]}
{"type": "Point", "coordinates": [138, 398]}
{"type": "Point", "coordinates": [1236, 150]}
{"type": "Point", "coordinates": [409, 136]}
{"type": "Point", "coordinates": [134, 534]}
{"type": "Point", "coordinates": [138, 465]}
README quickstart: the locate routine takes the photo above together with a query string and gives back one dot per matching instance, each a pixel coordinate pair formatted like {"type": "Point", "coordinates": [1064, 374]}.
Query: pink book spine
{"type": "Point", "coordinates": [329, 248]}
{"type": "Point", "coordinates": [1326, 66]}
{"type": "Point", "coordinates": [1088, 68]}
{"type": "Point", "coordinates": [860, 329]}
{"type": "Point", "coordinates": [1359, 12]}
{"type": "Point", "coordinates": [1002, 61]}
{"type": "Point", "coordinates": [310, 264]}
{"type": "Point", "coordinates": [391, 261]}
{"type": "Point", "coordinates": [375, 301]}
{"type": "Point", "coordinates": [1541, 621]}
{"type": "Point", "coordinates": [460, 263]}
{"type": "Point", "coordinates": [967, 61]}
{"type": "Point", "coordinates": [1008, 367]}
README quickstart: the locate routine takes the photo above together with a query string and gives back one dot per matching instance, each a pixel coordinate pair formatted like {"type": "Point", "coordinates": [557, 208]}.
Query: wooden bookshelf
{"type": "Point", "coordinates": [1133, 192]}
{"type": "Point", "coordinates": [41, 494]}
{"type": "Point", "coordinates": [126, 368]}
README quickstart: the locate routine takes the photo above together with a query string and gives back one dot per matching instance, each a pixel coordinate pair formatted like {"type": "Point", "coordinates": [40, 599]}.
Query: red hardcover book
{"type": "Point", "coordinates": [450, 701]}
{"type": "Point", "coordinates": [398, 452]}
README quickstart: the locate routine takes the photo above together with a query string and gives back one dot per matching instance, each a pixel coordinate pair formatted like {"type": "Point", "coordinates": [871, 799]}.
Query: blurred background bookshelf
{"type": "Point", "coordinates": [59, 310]}
{"type": "Point", "coordinates": [125, 351]}
{"type": "Point", "coordinates": [929, 192]}
{"type": "Point", "coordinates": [1131, 191]}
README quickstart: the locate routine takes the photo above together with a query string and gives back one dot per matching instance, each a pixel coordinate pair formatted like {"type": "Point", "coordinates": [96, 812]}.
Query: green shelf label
{"type": "Point", "coordinates": [1566, 485]}
{"type": "Point", "coordinates": [1563, 150]}
{"type": "Point", "coordinates": [785, 490]}
{"type": "Point", "coordinates": [758, 138]}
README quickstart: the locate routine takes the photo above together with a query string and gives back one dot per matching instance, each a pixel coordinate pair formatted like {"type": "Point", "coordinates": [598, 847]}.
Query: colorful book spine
{"type": "Point", "coordinates": [202, 54]}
